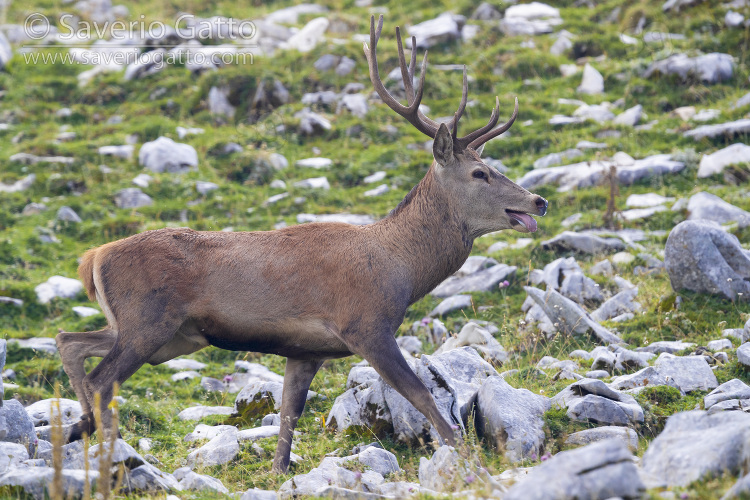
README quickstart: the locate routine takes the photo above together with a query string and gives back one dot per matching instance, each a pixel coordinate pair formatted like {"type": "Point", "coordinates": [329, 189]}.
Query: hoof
{"type": "Point", "coordinates": [84, 427]}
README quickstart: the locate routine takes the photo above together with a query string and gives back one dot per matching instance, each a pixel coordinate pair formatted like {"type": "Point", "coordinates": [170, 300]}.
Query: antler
{"type": "Point", "coordinates": [411, 112]}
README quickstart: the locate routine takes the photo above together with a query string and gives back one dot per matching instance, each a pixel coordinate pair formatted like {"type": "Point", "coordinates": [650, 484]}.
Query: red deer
{"type": "Point", "coordinates": [309, 292]}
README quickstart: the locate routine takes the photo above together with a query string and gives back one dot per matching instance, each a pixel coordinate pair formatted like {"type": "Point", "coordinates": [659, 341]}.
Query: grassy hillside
{"type": "Point", "coordinates": [151, 107]}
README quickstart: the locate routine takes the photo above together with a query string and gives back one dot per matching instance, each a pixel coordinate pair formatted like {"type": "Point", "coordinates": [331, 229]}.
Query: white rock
{"type": "Point", "coordinates": [85, 312]}
{"type": "Point", "coordinates": [19, 185]}
{"type": "Point", "coordinates": [533, 10]}
{"type": "Point", "coordinates": [198, 412]}
{"type": "Point", "coordinates": [315, 162]}
{"type": "Point", "coordinates": [165, 155]}
{"type": "Point", "coordinates": [356, 219]}
{"type": "Point", "coordinates": [593, 81]}
{"type": "Point", "coordinates": [706, 115]}
{"type": "Point", "coordinates": [434, 31]}
{"type": "Point", "coordinates": [220, 450]}
{"type": "Point", "coordinates": [313, 183]}
{"type": "Point", "coordinates": [58, 286]}
{"type": "Point", "coordinates": [125, 151]}
{"type": "Point", "coordinates": [733, 19]}
{"type": "Point", "coordinates": [708, 206]}
{"type": "Point", "coordinates": [722, 129]}
{"type": "Point", "coordinates": [184, 364]}
{"type": "Point", "coordinates": [714, 163]}
{"type": "Point", "coordinates": [630, 117]}
{"type": "Point", "coordinates": [640, 213]}
{"type": "Point", "coordinates": [142, 180]}
{"type": "Point", "coordinates": [376, 177]}
{"type": "Point", "coordinates": [309, 36]}
{"type": "Point", "coordinates": [378, 191]}
{"type": "Point", "coordinates": [647, 200]}
{"type": "Point", "coordinates": [204, 187]}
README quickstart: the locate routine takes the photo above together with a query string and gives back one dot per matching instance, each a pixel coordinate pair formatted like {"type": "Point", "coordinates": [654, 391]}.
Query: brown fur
{"type": "Point", "coordinates": [309, 293]}
{"type": "Point", "coordinates": [86, 272]}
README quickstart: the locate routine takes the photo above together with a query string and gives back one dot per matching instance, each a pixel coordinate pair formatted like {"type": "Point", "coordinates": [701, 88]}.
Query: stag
{"type": "Point", "coordinates": [311, 292]}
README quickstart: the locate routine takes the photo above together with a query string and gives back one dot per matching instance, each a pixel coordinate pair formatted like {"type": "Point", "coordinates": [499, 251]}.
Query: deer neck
{"type": "Point", "coordinates": [426, 235]}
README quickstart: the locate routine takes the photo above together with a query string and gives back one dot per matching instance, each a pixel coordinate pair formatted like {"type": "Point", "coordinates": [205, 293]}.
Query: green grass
{"type": "Point", "coordinates": [498, 65]}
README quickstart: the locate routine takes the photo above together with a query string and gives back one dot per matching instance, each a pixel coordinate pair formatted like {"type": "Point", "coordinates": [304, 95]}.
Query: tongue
{"type": "Point", "coordinates": [528, 221]}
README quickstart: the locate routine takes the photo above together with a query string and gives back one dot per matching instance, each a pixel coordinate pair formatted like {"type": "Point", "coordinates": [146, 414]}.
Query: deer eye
{"type": "Point", "coordinates": [479, 174]}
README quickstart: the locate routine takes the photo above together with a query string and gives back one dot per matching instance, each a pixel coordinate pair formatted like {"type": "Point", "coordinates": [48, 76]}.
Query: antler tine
{"type": "Point", "coordinates": [484, 137]}
{"type": "Point", "coordinates": [407, 74]}
{"type": "Point", "coordinates": [461, 107]}
{"type": "Point", "coordinates": [372, 61]}
{"type": "Point", "coordinates": [410, 112]}
{"type": "Point", "coordinates": [494, 117]}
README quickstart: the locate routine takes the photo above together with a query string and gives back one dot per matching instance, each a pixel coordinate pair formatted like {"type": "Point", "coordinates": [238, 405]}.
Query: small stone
{"type": "Point", "coordinates": [67, 214]}
{"type": "Point", "coordinates": [220, 450]}
{"type": "Point", "coordinates": [588, 436]}
{"type": "Point", "coordinates": [132, 198]}
{"type": "Point", "coordinates": [593, 81]}
{"type": "Point", "coordinates": [719, 345]}
{"type": "Point", "coordinates": [165, 155]}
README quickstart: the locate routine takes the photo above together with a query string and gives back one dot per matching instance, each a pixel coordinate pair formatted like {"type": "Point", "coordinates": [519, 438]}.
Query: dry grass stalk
{"type": "Point", "coordinates": [57, 490]}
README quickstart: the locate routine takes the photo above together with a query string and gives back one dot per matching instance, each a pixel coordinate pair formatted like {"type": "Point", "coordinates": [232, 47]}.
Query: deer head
{"type": "Point", "coordinates": [486, 200]}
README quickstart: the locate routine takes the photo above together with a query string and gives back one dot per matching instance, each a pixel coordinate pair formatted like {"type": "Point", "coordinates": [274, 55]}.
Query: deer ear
{"type": "Point", "coordinates": [479, 150]}
{"type": "Point", "coordinates": [442, 146]}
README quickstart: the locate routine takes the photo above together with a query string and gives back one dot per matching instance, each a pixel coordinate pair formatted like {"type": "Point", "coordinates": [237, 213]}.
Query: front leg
{"type": "Point", "coordinates": [385, 356]}
{"type": "Point", "coordinates": [297, 378]}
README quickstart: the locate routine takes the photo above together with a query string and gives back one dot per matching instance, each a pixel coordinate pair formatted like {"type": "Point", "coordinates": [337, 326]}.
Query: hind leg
{"type": "Point", "coordinates": [131, 350]}
{"type": "Point", "coordinates": [75, 348]}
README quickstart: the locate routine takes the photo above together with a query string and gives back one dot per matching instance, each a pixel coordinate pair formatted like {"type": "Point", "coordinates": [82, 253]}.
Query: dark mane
{"type": "Point", "coordinates": [406, 201]}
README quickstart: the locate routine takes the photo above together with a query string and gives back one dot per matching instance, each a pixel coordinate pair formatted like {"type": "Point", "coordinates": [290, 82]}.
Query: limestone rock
{"type": "Point", "coordinates": [165, 155]}
{"type": "Point", "coordinates": [512, 418]}
{"type": "Point", "coordinates": [600, 470]}
{"type": "Point", "coordinates": [220, 450]}
{"type": "Point", "coordinates": [696, 445]}
{"type": "Point", "coordinates": [701, 257]}
{"type": "Point", "coordinates": [568, 316]}
{"type": "Point", "coordinates": [690, 373]}
{"type": "Point", "coordinates": [592, 82]}
{"type": "Point", "coordinates": [709, 68]}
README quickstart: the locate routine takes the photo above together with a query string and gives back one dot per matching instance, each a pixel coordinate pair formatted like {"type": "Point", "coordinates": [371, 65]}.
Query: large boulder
{"type": "Point", "coordinates": [568, 316]}
{"type": "Point", "coordinates": [512, 418]}
{"type": "Point", "coordinates": [36, 481]}
{"type": "Point", "coordinates": [16, 426]}
{"type": "Point", "coordinates": [709, 68]}
{"type": "Point", "coordinates": [597, 471]}
{"type": "Point", "coordinates": [734, 389]}
{"type": "Point", "coordinates": [338, 477]}
{"type": "Point", "coordinates": [714, 163]}
{"type": "Point", "coordinates": [480, 339]}
{"type": "Point", "coordinates": [41, 412]}
{"type": "Point", "coordinates": [591, 173]}
{"type": "Point", "coordinates": [583, 243]}
{"type": "Point", "coordinates": [710, 207]}
{"type": "Point", "coordinates": [695, 445]}
{"type": "Point", "coordinates": [58, 286]}
{"type": "Point", "coordinates": [166, 155]}
{"type": "Point", "coordinates": [483, 280]}
{"type": "Point", "coordinates": [689, 373]}
{"type": "Point", "coordinates": [453, 378]}
{"type": "Point", "coordinates": [590, 400]}
{"type": "Point", "coordinates": [444, 471]}
{"type": "Point", "coordinates": [220, 450]}
{"type": "Point", "coordinates": [260, 397]}
{"type": "Point", "coordinates": [444, 28]}
{"type": "Point", "coordinates": [701, 257]}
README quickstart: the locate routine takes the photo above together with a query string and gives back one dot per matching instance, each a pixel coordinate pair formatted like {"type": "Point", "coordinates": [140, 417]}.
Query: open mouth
{"type": "Point", "coordinates": [522, 222]}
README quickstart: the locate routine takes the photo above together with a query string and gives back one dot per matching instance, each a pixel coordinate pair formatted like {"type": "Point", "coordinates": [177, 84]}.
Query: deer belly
{"type": "Point", "coordinates": [296, 338]}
